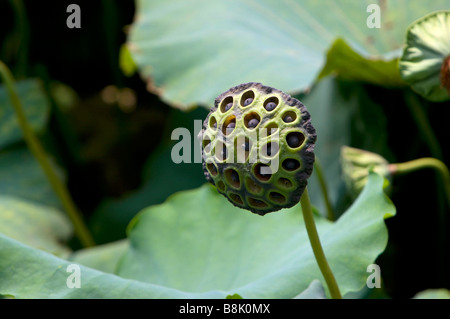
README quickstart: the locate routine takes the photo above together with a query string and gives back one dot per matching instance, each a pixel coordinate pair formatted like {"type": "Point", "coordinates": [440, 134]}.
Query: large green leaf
{"type": "Point", "coordinates": [314, 291]}
{"type": "Point", "coordinates": [22, 176]}
{"type": "Point", "coordinates": [35, 105]}
{"type": "Point", "coordinates": [101, 257]}
{"type": "Point", "coordinates": [26, 272]}
{"type": "Point", "coordinates": [197, 245]}
{"type": "Point", "coordinates": [427, 45]}
{"type": "Point", "coordinates": [347, 63]}
{"type": "Point", "coordinates": [36, 225]}
{"type": "Point", "coordinates": [191, 51]}
{"type": "Point", "coordinates": [196, 242]}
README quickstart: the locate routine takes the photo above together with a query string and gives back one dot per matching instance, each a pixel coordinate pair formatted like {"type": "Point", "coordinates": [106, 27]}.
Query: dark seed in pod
{"type": "Point", "coordinates": [269, 150]}
{"type": "Point", "coordinates": [253, 123]}
{"type": "Point", "coordinates": [276, 195]}
{"type": "Point", "coordinates": [288, 119]}
{"type": "Point", "coordinates": [248, 101]}
{"type": "Point", "coordinates": [234, 177]}
{"type": "Point", "coordinates": [291, 164]}
{"type": "Point", "coordinates": [258, 202]}
{"type": "Point", "coordinates": [270, 106]}
{"type": "Point", "coordinates": [293, 140]}
{"type": "Point", "coordinates": [231, 125]}
{"type": "Point", "coordinates": [228, 106]}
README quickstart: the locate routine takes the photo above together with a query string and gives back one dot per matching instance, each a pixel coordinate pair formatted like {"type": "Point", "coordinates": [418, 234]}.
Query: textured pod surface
{"type": "Point", "coordinates": [258, 147]}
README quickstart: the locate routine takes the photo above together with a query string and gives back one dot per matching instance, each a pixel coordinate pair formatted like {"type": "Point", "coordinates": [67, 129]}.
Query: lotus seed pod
{"type": "Point", "coordinates": [258, 147]}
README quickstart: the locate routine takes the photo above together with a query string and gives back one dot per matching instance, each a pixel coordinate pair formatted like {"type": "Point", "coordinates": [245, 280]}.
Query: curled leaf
{"type": "Point", "coordinates": [425, 61]}
{"type": "Point", "coordinates": [357, 163]}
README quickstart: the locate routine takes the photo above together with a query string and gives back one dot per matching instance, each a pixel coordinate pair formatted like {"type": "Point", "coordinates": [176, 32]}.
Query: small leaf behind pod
{"type": "Point", "coordinates": [424, 64]}
{"type": "Point", "coordinates": [356, 165]}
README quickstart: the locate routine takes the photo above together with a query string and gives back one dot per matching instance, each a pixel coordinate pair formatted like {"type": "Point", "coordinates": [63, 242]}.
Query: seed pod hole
{"type": "Point", "coordinates": [257, 202]}
{"type": "Point", "coordinates": [271, 103]}
{"type": "Point", "coordinates": [285, 183]}
{"type": "Point", "coordinates": [229, 125]}
{"type": "Point", "coordinates": [262, 172]}
{"type": "Point", "coordinates": [289, 116]}
{"type": "Point", "coordinates": [206, 144]}
{"type": "Point", "coordinates": [227, 104]}
{"type": "Point", "coordinates": [236, 198]}
{"type": "Point", "coordinates": [270, 149]}
{"type": "Point", "coordinates": [251, 120]}
{"type": "Point", "coordinates": [271, 128]}
{"type": "Point", "coordinates": [220, 151]}
{"type": "Point", "coordinates": [291, 164]}
{"type": "Point", "coordinates": [232, 177]}
{"type": "Point", "coordinates": [242, 147]}
{"type": "Point", "coordinates": [212, 169]}
{"type": "Point", "coordinates": [277, 197]}
{"type": "Point", "coordinates": [213, 123]}
{"type": "Point", "coordinates": [247, 98]}
{"type": "Point", "coordinates": [247, 145]}
{"type": "Point", "coordinates": [295, 139]}
{"type": "Point", "coordinates": [252, 187]}
{"type": "Point", "coordinates": [221, 186]}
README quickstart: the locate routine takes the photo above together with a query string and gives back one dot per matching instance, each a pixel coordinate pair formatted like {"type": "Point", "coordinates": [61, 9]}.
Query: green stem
{"type": "Point", "coordinates": [422, 122]}
{"type": "Point", "coordinates": [426, 162]}
{"type": "Point", "coordinates": [22, 34]}
{"type": "Point", "coordinates": [317, 246]}
{"type": "Point", "coordinates": [323, 186]}
{"type": "Point", "coordinates": [35, 147]}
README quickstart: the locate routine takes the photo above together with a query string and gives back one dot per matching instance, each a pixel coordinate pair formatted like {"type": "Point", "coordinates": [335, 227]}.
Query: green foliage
{"type": "Point", "coordinates": [234, 296]}
{"type": "Point", "coordinates": [37, 111]}
{"type": "Point", "coordinates": [343, 60]}
{"type": "Point", "coordinates": [170, 235]}
{"type": "Point", "coordinates": [357, 163]}
{"type": "Point", "coordinates": [246, 254]}
{"type": "Point", "coordinates": [427, 45]}
{"type": "Point", "coordinates": [21, 176]}
{"type": "Point", "coordinates": [433, 294]}
{"type": "Point", "coordinates": [342, 112]}
{"type": "Point", "coordinates": [314, 291]}
{"type": "Point", "coordinates": [102, 257]}
{"type": "Point", "coordinates": [33, 224]}
{"type": "Point", "coordinates": [223, 250]}
{"type": "Point", "coordinates": [38, 274]}
{"type": "Point", "coordinates": [282, 46]}
{"type": "Point", "coordinates": [126, 62]}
